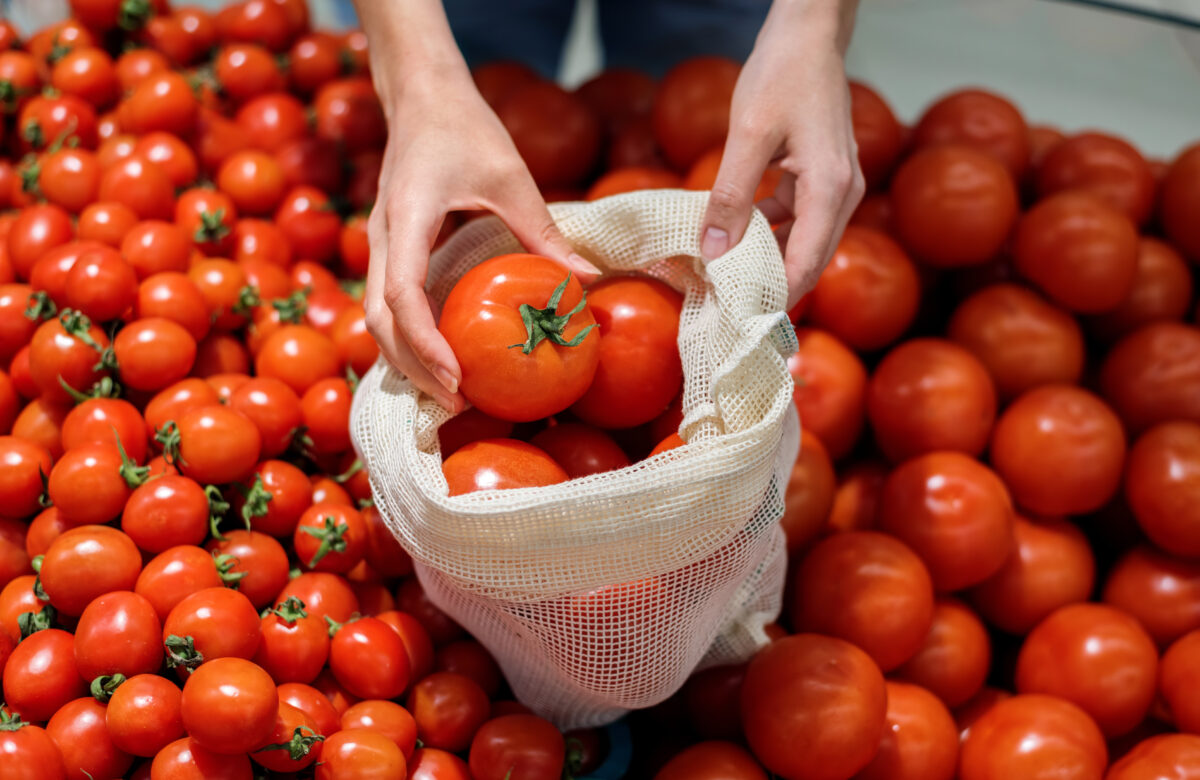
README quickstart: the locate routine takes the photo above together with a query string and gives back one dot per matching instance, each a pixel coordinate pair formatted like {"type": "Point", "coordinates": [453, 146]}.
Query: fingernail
{"type": "Point", "coordinates": [714, 244]}
{"type": "Point", "coordinates": [447, 379]}
{"type": "Point", "coordinates": [582, 263]}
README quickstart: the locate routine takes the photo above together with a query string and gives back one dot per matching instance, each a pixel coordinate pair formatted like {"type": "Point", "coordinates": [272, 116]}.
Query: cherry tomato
{"type": "Point", "coordinates": [313, 60]}
{"type": "Point", "coordinates": [1152, 375]}
{"type": "Point", "coordinates": [877, 134]}
{"type": "Point", "coordinates": [324, 595]}
{"type": "Point", "coordinates": [555, 132]}
{"type": "Point", "coordinates": [62, 119]}
{"type": "Point", "coordinates": [1161, 591]}
{"type": "Point", "coordinates": [220, 622]}
{"type": "Point", "coordinates": [253, 180]}
{"type": "Point", "coordinates": [691, 108]}
{"type": "Point", "coordinates": [185, 759]}
{"type": "Point", "coordinates": [294, 743]}
{"type": "Point", "coordinates": [40, 675]}
{"type": "Point", "coordinates": [258, 21]}
{"type": "Point", "coordinates": [143, 715]}
{"type": "Point", "coordinates": [348, 112]}
{"type": "Point", "coordinates": [499, 464]}
{"type": "Point", "coordinates": [417, 644]}
{"type": "Point", "coordinates": [1162, 290]}
{"type": "Point", "coordinates": [258, 561]}
{"type": "Point", "coordinates": [384, 717]}
{"type": "Point", "coordinates": [580, 449]}
{"type": "Point", "coordinates": [118, 633]}
{"type": "Point", "coordinates": [312, 702]}
{"type": "Point", "coordinates": [326, 410]}
{"type": "Point", "coordinates": [217, 444]}
{"type": "Point", "coordinates": [1162, 486]}
{"type": "Point", "coordinates": [979, 119]}
{"type": "Point", "coordinates": [368, 658]}
{"type": "Point", "coordinates": [274, 121]}
{"type": "Point", "coordinates": [360, 753]}
{"type": "Point", "coordinates": [1104, 165]}
{"type": "Point", "coordinates": [79, 730]}
{"type": "Point", "coordinates": [469, 426]}
{"type": "Point", "coordinates": [523, 745]}
{"type": "Point", "coordinates": [1178, 196]}
{"type": "Point", "coordinates": [1033, 735]}
{"type": "Point", "coordinates": [166, 512]}
{"type": "Point", "coordinates": [86, 562]}
{"type": "Point", "coordinates": [299, 356]}
{"type": "Point", "coordinates": [154, 352]}
{"type": "Point", "coordinates": [953, 661]}
{"type": "Point", "coordinates": [246, 70]}
{"type": "Point", "coordinates": [434, 764]}
{"type": "Point", "coordinates": [411, 598]}
{"type": "Point", "coordinates": [330, 537]}
{"type": "Point", "coordinates": [294, 645]}
{"type": "Point", "coordinates": [36, 229]}
{"type": "Point", "coordinates": [920, 739]}
{"type": "Point", "coordinates": [229, 706]}
{"type": "Point", "coordinates": [207, 217]}
{"type": "Point", "coordinates": [27, 752]}
{"type": "Point", "coordinates": [448, 708]}
{"type": "Point", "coordinates": [174, 574]}
{"type": "Point", "coordinates": [177, 400]}
{"type": "Point", "coordinates": [1164, 756]}
{"type": "Point", "coordinates": [107, 222]}
{"type": "Point", "coordinates": [308, 220]}
{"type": "Point", "coordinates": [25, 464]}
{"type": "Point", "coordinates": [16, 329]}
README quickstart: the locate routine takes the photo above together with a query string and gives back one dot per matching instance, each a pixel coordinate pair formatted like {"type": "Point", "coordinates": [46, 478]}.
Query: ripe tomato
{"type": "Point", "coordinates": [1030, 736]}
{"type": "Point", "coordinates": [868, 294]}
{"type": "Point", "coordinates": [355, 346]}
{"type": "Point", "coordinates": [220, 622]}
{"type": "Point", "coordinates": [274, 121]}
{"type": "Point", "coordinates": [1162, 486]}
{"type": "Point", "coordinates": [434, 764]}
{"type": "Point", "coordinates": [141, 185]}
{"type": "Point", "coordinates": [25, 463]}
{"type": "Point", "coordinates": [294, 645]}
{"type": "Point", "coordinates": [246, 70]}
{"type": "Point", "coordinates": [1060, 450]}
{"type": "Point", "coordinates": [79, 730]}
{"type": "Point", "coordinates": [470, 659]}
{"type": "Point", "coordinates": [308, 220]}
{"type": "Point", "coordinates": [28, 753]}
{"type": "Point", "coordinates": [326, 410]}
{"type": "Point", "coordinates": [299, 356]}
{"type": "Point", "coordinates": [1096, 657]}
{"type": "Point", "coordinates": [1166, 756]}
{"type": "Point", "coordinates": [368, 658]}
{"type": "Point", "coordinates": [135, 65]}
{"type": "Point", "coordinates": [177, 400]}
{"type": "Point", "coordinates": [555, 132]}
{"type": "Point", "coordinates": [174, 574]}
{"type": "Point", "coordinates": [417, 642]}
{"type": "Point", "coordinates": [14, 560]}
{"type": "Point", "coordinates": [1161, 591]}
{"type": "Point", "coordinates": [207, 217]}
{"type": "Point", "coordinates": [275, 410]}
{"type": "Point", "coordinates": [522, 745]}
{"type": "Point", "coordinates": [185, 759]}
{"type": "Point", "coordinates": [40, 675]}
{"type": "Point", "coordinates": [580, 449]}
{"type": "Point", "coordinates": [1022, 340]}
{"type": "Point", "coordinates": [154, 352]}
{"type": "Point", "coordinates": [448, 708]}
{"type": "Point", "coordinates": [385, 717]}
{"type": "Point", "coordinates": [173, 296]}
{"type": "Point", "coordinates": [216, 444]}
{"type": "Point", "coordinates": [36, 229]}
{"type": "Point", "coordinates": [616, 96]}
{"type": "Point", "coordinates": [877, 134]}
{"type": "Point", "coordinates": [171, 154]}
{"type": "Point", "coordinates": [499, 464]}
{"type": "Point", "coordinates": [278, 498]}
{"type": "Point", "coordinates": [143, 714]}
{"type": "Point", "coordinates": [229, 706]}
{"type": "Point", "coordinates": [348, 112]}
{"type": "Point", "coordinates": [1104, 165]}
{"type": "Point", "coordinates": [86, 562]}
{"type": "Point", "coordinates": [154, 246]}
{"type": "Point", "coordinates": [324, 595]}
{"type": "Point", "coordinates": [691, 108]}
{"type": "Point", "coordinates": [64, 119]}
{"type": "Point", "coordinates": [953, 205]}
{"type": "Point", "coordinates": [360, 753]}
{"type": "Point", "coordinates": [19, 73]}
{"type": "Point", "coordinates": [1178, 198]}
{"type": "Point", "coordinates": [482, 318]}
{"type": "Point", "coordinates": [1178, 681]}
{"type": "Point", "coordinates": [928, 395]}
{"type": "Point", "coordinates": [19, 597]}
{"type": "Point", "coordinates": [920, 739]}
{"type": "Point", "coordinates": [1079, 250]}
{"type": "Point", "coordinates": [313, 60]}
{"type": "Point", "coordinates": [257, 21]}
{"type": "Point", "coordinates": [253, 180]}
{"type": "Point", "coordinates": [792, 689]}
{"type": "Point", "coordinates": [954, 659]}
{"type": "Point", "coordinates": [165, 512]}
{"type": "Point", "coordinates": [69, 178]}
{"type": "Point", "coordinates": [258, 561]}
{"type": "Point", "coordinates": [978, 119]}
{"type": "Point", "coordinates": [469, 426]}
{"type": "Point", "coordinates": [330, 537]}
{"type": "Point", "coordinates": [954, 512]}
{"type": "Point", "coordinates": [107, 222]}
{"type": "Point", "coordinates": [1152, 375]}
{"type": "Point", "coordinates": [312, 702]}
{"type": "Point", "coordinates": [1162, 290]}
{"type": "Point", "coordinates": [118, 633]}
{"type": "Point", "coordinates": [16, 329]}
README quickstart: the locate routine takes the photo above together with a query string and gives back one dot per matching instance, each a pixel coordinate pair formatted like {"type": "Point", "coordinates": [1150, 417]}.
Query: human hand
{"type": "Point", "coordinates": [791, 106]}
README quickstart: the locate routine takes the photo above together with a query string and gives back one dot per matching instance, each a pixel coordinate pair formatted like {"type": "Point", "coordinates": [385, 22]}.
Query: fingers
{"type": "Point", "coordinates": [525, 213]}
{"type": "Point", "coordinates": [746, 155]}
{"type": "Point", "coordinates": [825, 197]}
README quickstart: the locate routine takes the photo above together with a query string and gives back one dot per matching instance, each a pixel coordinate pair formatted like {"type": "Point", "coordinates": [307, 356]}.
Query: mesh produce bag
{"type": "Point", "coordinates": [603, 594]}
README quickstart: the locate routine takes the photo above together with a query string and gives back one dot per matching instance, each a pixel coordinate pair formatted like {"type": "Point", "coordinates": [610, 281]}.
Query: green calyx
{"type": "Point", "coordinates": [248, 298]}
{"type": "Point", "coordinates": [292, 308]}
{"type": "Point", "coordinates": [225, 563]}
{"type": "Point", "coordinates": [133, 474]}
{"type": "Point", "coordinates": [332, 537]}
{"type": "Point", "coordinates": [212, 227]}
{"type": "Point", "coordinates": [168, 437]}
{"type": "Point", "coordinates": [256, 502]}
{"type": "Point", "coordinates": [10, 721]}
{"type": "Point", "coordinates": [133, 14]}
{"type": "Point", "coordinates": [102, 687]}
{"type": "Point", "coordinates": [217, 507]}
{"type": "Point", "coordinates": [288, 611]}
{"type": "Point", "coordinates": [41, 306]}
{"type": "Point", "coordinates": [544, 324]}
{"type": "Point", "coordinates": [32, 622]}
{"type": "Point", "coordinates": [182, 652]}
{"type": "Point", "coordinates": [299, 746]}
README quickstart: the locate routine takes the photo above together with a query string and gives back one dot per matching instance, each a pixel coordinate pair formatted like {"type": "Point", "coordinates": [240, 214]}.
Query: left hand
{"type": "Point", "coordinates": [791, 107]}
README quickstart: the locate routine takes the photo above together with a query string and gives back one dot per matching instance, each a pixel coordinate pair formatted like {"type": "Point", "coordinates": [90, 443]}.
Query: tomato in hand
{"type": "Point", "coordinates": [362, 754]}
{"type": "Point", "coordinates": [515, 370]}
{"type": "Point", "coordinates": [1033, 735]}
{"type": "Point", "coordinates": [499, 464]}
{"type": "Point", "coordinates": [143, 714]}
{"type": "Point", "coordinates": [86, 562]}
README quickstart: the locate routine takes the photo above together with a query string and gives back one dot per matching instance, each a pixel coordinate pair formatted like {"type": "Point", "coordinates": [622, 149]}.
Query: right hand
{"type": "Point", "coordinates": [446, 151]}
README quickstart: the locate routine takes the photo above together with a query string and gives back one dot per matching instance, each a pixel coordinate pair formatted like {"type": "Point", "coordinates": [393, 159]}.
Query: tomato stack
{"type": "Point", "coordinates": [993, 522]}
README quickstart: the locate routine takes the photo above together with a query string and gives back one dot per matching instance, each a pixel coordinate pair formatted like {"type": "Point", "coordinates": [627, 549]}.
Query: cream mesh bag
{"type": "Point", "coordinates": [603, 594]}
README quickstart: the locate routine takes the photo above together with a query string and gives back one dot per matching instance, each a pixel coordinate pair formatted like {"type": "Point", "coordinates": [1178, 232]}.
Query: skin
{"type": "Point", "coordinates": [418, 71]}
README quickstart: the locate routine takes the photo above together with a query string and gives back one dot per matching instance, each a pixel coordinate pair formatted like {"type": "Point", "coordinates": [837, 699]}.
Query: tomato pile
{"type": "Point", "coordinates": [994, 521]}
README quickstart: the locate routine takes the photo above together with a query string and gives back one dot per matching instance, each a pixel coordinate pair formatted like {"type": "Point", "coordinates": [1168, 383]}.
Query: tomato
{"type": "Point", "coordinates": [1178, 198]}
{"type": "Point", "coordinates": [952, 205]}
{"type": "Point", "coordinates": [216, 444]}
{"type": "Point", "coordinates": [867, 588]}
{"type": "Point", "coordinates": [326, 410]}
{"type": "Point", "coordinates": [928, 395]}
{"type": "Point", "coordinates": [691, 108]}
{"type": "Point", "coordinates": [207, 217]}
{"type": "Point", "coordinates": [25, 464]}
{"type": "Point", "coordinates": [220, 622]}
{"type": "Point", "coordinates": [1161, 290]}
{"type": "Point", "coordinates": [46, 120]}
{"type": "Point", "coordinates": [259, 21]}
{"type": "Point", "coordinates": [830, 392]}
{"type": "Point", "coordinates": [556, 133]}
{"type": "Point", "coordinates": [92, 482]}
{"type": "Point", "coordinates": [229, 706]}
{"type": "Point", "coordinates": [1161, 591]}
{"type": "Point", "coordinates": [36, 229]}
{"type": "Point", "coordinates": [433, 764]}
{"type": "Point", "coordinates": [220, 353]}
{"type": "Point", "coordinates": [470, 659]}
{"type": "Point", "coordinates": [143, 715]}
{"type": "Point", "coordinates": [308, 220]}
{"type": "Point", "coordinates": [153, 353]}
{"type": "Point", "coordinates": [1033, 736]}
{"type": "Point", "coordinates": [135, 65]}
{"type": "Point", "coordinates": [448, 708]}
{"type": "Point", "coordinates": [253, 180]}
{"type": "Point", "coordinates": [384, 717]}
{"type": "Point", "coordinates": [1079, 250]}
{"type": "Point", "coordinates": [920, 739]}
{"type": "Point", "coordinates": [173, 297]}
{"type": "Point", "coordinates": [954, 658]}
{"type": "Point", "coordinates": [118, 633]}
{"type": "Point", "coordinates": [324, 595]}
{"type": "Point", "coordinates": [107, 222]}
{"type": "Point", "coordinates": [1165, 756]}
{"type": "Point", "coordinates": [186, 759]}
{"type": "Point", "coordinates": [79, 730]}
{"type": "Point", "coordinates": [1022, 340]}
{"type": "Point", "coordinates": [355, 346]}
{"type": "Point", "coordinates": [313, 60]}
{"type": "Point", "coordinates": [69, 178]}
{"type": "Point", "coordinates": [954, 512]}
{"type": "Point", "coordinates": [16, 329]}
{"type": "Point", "coordinates": [979, 119]}
{"type": "Point", "coordinates": [141, 185]}
{"type": "Point", "coordinates": [14, 560]}
{"type": "Point", "coordinates": [19, 75]}
{"type": "Point", "coordinates": [499, 464]}
{"type": "Point", "coordinates": [1096, 657]}
{"type": "Point", "coordinates": [170, 153]}
{"type": "Point", "coordinates": [279, 497]}
{"type": "Point", "coordinates": [1051, 567]}
{"type": "Point", "coordinates": [1152, 375]}
{"type": "Point", "coordinates": [330, 537]}
{"type": "Point", "coordinates": [258, 561]}
{"type": "Point", "coordinates": [522, 745]}
{"type": "Point", "coordinates": [86, 562]}
{"type": "Point", "coordinates": [274, 121]}
{"type": "Point", "coordinates": [877, 134]}
{"type": "Point", "coordinates": [166, 512]}
{"type": "Point", "coordinates": [348, 112]}
{"type": "Point", "coordinates": [40, 675]}
{"type": "Point", "coordinates": [368, 658]}
{"type": "Point", "coordinates": [28, 753]}
{"type": "Point", "coordinates": [1162, 486]}
{"type": "Point", "coordinates": [360, 753]}
{"type": "Point", "coordinates": [177, 400]}
{"type": "Point", "coordinates": [246, 70]}
{"type": "Point", "coordinates": [294, 743]}
{"type": "Point", "coordinates": [17, 598]}
{"type": "Point", "coordinates": [616, 95]}
{"type": "Point", "coordinates": [299, 356]}
{"type": "Point", "coordinates": [1060, 450]}
{"type": "Point", "coordinates": [632, 179]}
{"type": "Point", "coordinates": [313, 703]}
{"type": "Point", "coordinates": [1104, 165]}
{"type": "Point", "coordinates": [175, 574]}
{"type": "Point", "coordinates": [1177, 681]}
{"type": "Point", "coordinates": [294, 645]}
{"type": "Point", "coordinates": [580, 449]}
{"type": "Point", "coordinates": [867, 296]}
{"type": "Point", "coordinates": [792, 689]}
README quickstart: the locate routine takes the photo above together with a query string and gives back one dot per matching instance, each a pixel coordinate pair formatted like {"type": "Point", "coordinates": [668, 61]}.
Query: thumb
{"type": "Point", "coordinates": [526, 215]}
{"type": "Point", "coordinates": [732, 196]}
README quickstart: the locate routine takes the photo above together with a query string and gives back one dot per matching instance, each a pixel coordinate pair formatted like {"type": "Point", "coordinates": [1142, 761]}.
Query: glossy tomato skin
{"type": "Point", "coordinates": [229, 705]}
{"type": "Point", "coordinates": [369, 659]}
{"type": "Point", "coordinates": [294, 645]}
{"type": "Point", "coordinates": [639, 370]}
{"type": "Point", "coordinates": [1105, 165]}
{"type": "Point", "coordinates": [143, 715]}
{"type": "Point", "coordinates": [434, 764]}
{"type": "Point", "coordinates": [257, 560]}
{"type": "Point", "coordinates": [1167, 756]}
{"type": "Point", "coordinates": [417, 642]}
{"type": "Point", "coordinates": [88, 561]}
{"type": "Point", "coordinates": [386, 717]}
{"type": "Point", "coordinates": [867, 588]}
{"type": "Point", "coordinates": [499, 464]}
{"type": "Point", "coordinates": [1162, 481]}
{"type": "Point", "coordinates": [449, 708]}
{"type": "Point", "coordinates": [953, 206]}
{"type": "Point", "coordinates": [323, 594]}
{"type": "Point", "coordinates": [79, 729]}
{"type": "Point", "coordinates": [1033, 736]}
{"type": "Point", "coordinates": [831, 388]}
{"type": "Point", "coordinates": [481, 319]}
{"type": "Point", "coordinates": [523, 745]}
{"type": "Point", "coordinates": [1178, 680]}
{"type": "Point", "coordinates": [277, 755]}
{"type": "Point", "coordinates": [580, 449]}
{"type": "Point", "coordinates": [1162, 290]}
{"type": "Point", "coordinates": [1161, 591]}
{"type": "Point", "coordinates": [792, 689]}
{"type": "Point", "coordinates": [920, 739]}
{"type": "Point", "coordinates": [980, 119]}
{"type": "Point", "coordinates": [29, 753]}
{"type": "Point", "coordinates": [691, 109]}
{"type": "Point", "coordinates": [360, 753]}
{"type": "Point", "coordinates": [299, 356]}
{"type": "Point", "coordinates": [20, 479]}
{"type": "Point", "coordinates": [878, 134]}
{"type": "Point", "coordinates": [118, 633]}
{"type": "Point", "coordinates": [954, 659]}
{"type": "Point", "coordinates": [221, 622]}
{"type": "Point", "coordinates": [56, 353]}
{"type": "Point", "coordinates": [312, 702]}
{"type": "Point", "coordinates": [810, 493]}
{"type": "Point", "coordinates": [1178, 199]}
{"type": "Point", "coordinates": [217, 445]}
{"type": "Point", "coordinates": [1152, 375]}
{"type": "Point", "coordinates": [186, 759]}
{"type": "Point", "coordinates": [1060, 450]}
{"type": "Point", "coordinates": [174, 574]}
{"type": "Point", "coordinates": [290, 495]}
{"type": "Point", "coordinates": [40, 675]}
{"type": "Point", "coordinates": [154, 352]}
{"type": "Point", "coordinates": [555, 132]}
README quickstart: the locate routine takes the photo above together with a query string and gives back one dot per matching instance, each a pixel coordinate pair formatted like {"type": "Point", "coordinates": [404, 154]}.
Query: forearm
{"type": "Point", "coordinates": [830, 20]}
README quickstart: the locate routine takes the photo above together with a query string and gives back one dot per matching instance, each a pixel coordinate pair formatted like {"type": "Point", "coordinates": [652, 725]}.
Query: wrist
{"type": "Point", "coordinates": [820, 23]}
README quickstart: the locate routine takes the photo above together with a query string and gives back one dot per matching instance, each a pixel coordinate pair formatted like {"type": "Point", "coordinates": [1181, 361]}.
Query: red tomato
{"type": "Point", "coordinates": [522, 745]}
{"type": "Point", "coordinates": [79, 730]}
{"type": "Point", "coordinates": [69, 178]}
{"type": "Point", "coordinates": [1161, 591]}
{"type": "Point", "coordinates": [48, 119]}
{"type": "Point", "coordinates": [954, 659]}
{"type": "Point", "coordinates": [17, 598]}
{"type": "Point", "coordinates": [1079, 250]}
{"type": "Point", "coordinates": [877, 134]}
{"type": "Point", "coordinates": [830, 392]}
{"type": "Point", "coordinates": [1178, 679]}
{"type": "Point", "coordinates": [928, 395]}
{"type": "Point", "coordinates": [153, 353]}
{"type": "Point", "coordinates": [1152, 375]}
{"type": "Point", "coordinates": [555, 132]}
{"type": "Point", "coordinates": [185, 759]}
{"type": "Point", "coordinates": [793, 688]}
{"type": "Point", "coordinates": [434, 764]}
{"type": "Point", "coordinates": [920, 739]}
{"type": "Point", "coordinates": [14, 560]}
{"type": "Point", "coordinates": [253, 180]}
{"type": "Point", "coordinates": [207, 217]}
{"type": "Point", "coordinates": [229, 706]}
{"type": "Point", "coordinates": [324, 595]}
{"type": "Point", "coordinates": [634, 145]}
{"type": "Point", "coordinates": [25, 462]}
{"type": "Point", "coordinates": [580, 449]}
{"type": "Point", "coordinates": [256, 21]}
{"type": "Point", "coordinates": [348, 112]}
{"type": "Point", "coordinates": [1096, 657]}
{"type": "Point", "coordinates": [360, 753]}
{"type": "Point", "coordinates": [1162, 486]}
{"type": "Point", "coordinates": [299, 356]}
{"type": "Point", "coordinates": [633, 179]}
{"type": "Point", "coordinates": [1051, 567]}
{"type": "Point", "coordinates": [1022, 340]}
{"type": "Point", "coordinates": [118, 633]}
{"type": "Point", "coordinates": [141, 185]}
{"type": "Point", "coordinates": [28, 753]}
{"type": "Point", "coordinates": [330, 537]}
{"type": "Point", "coordinates": [135, 65]}
{"type": "Point", "coordinates": [1060, 450]}
{"type": "Point", "coordinates": [499, 464]}
{"type": "Point", "coordinates": [953, 206]}
{"type": "Point", "coordinates": [313, 60]}
{"type": "Point", "coordinates": [294, 645]}
{"type": "Point", "coordinates": [1164, 756]}
{"type": "Point", "coordinates": [258, 561]}
{"type": "Point", "coordinates": [174, 297]}
{"type": "Point", "coordinates": [1033, 736]}
{"type": "Point", "coordinates": [16, 329]}
{"type": "Point", "coordinates": [978, 119]}
{"type": "Point", "coordinates": [308, 220]}
{"type": "Point", "coordinates": [355, 346]}
{"type": "Point", "coordinates": [175, 574]}
{"type": "Point", "coordinates": [1104, 165]}
{"type": "Point", "coordinates": [469, 426]}
{"type": "Point", "coordinates": [246, 70]}
{"type": "Point", "coordinates": [154, 246]}
{"type": "Point", "coordinates": [107, 222]}
{"type": "Point", "coordinates": [143, 715]}
{"type": "Point", "coordinates": [86, 562]}
{"type": "Point", "coordinates": [177, 400]}
{"type": "Point", "coordinates": [216, 444]}
{"type": "Point", "coordinates": [36, 229]}
{"type": "Point", "coordinates": [691, 108]}
{"type": "Point", "coordinates": [954, 512]}
{"type": "Point", "coordinates": [326, 410]}
{"type": "Point", "coordinates": [497, 80]}
{"type": "Point", "coordinates": [448, 708]}
{"type": "Point", "coordinates": [312, 702]}
{"type": "Point", "coordinates": [1162, 290]}
{"type": "Point", "coordinates": [274, 121]}
{"type": "Point", "coordinates": [278, 498]}
{"type": "Point", "coordinates": [219, 622]}
{"type": "Point", "coordinates": [1179, 197]}
{"type": "Point", "coordinates": [40, 675]}
{"type": "Point", "coordinates": [368, 658]}
{"type": "Point", "coordinates": [165, 512]}
{"type": "Point", "coordinates": [384, 717]}
{"type": "Point", "coordinates": [616, 95]}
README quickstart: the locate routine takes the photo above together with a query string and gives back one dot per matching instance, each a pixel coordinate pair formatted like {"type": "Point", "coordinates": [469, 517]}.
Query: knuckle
{"type": "Point", "coordinates": [726, 198]}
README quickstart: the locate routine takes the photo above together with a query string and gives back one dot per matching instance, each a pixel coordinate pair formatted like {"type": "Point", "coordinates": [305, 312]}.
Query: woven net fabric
{"type": "Point", "coordinates": [603, 594]}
